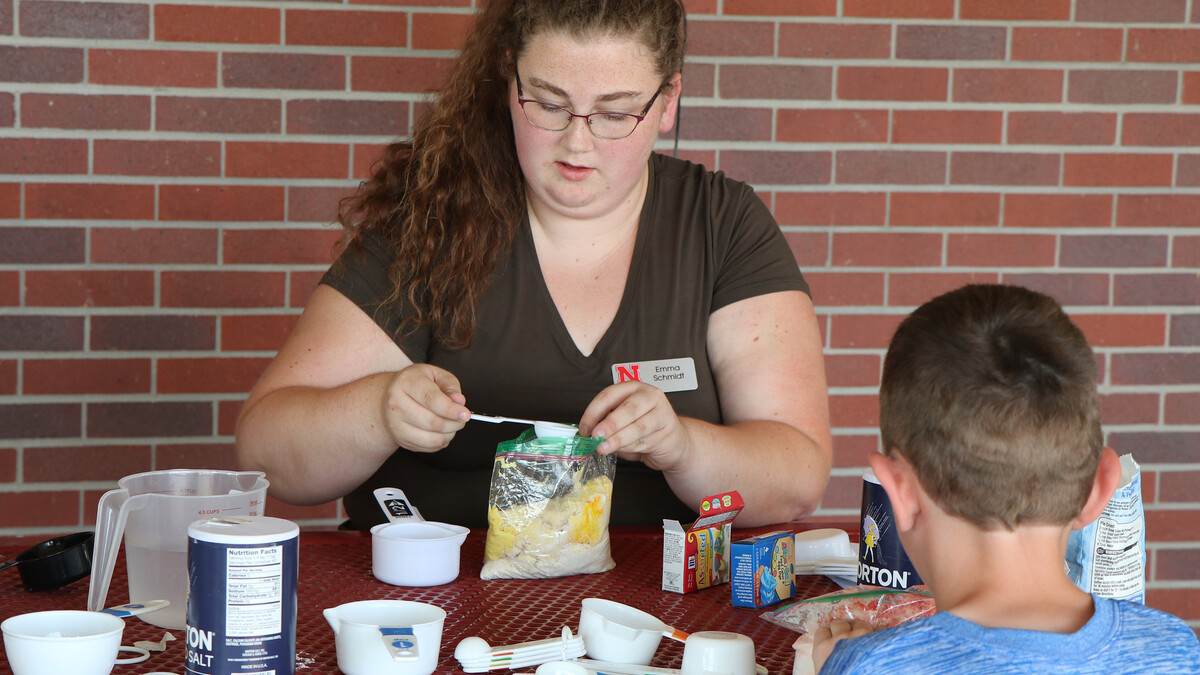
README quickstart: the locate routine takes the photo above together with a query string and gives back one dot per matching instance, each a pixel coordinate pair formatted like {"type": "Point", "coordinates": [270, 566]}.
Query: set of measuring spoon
{"type": "Point", "coordinates": [616, 638]}
{"type": "Point", "coordinates": [477, 656]}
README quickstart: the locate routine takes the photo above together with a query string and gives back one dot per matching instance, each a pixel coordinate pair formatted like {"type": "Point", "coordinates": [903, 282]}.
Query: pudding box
{"type": "Point", "coordinates": [698, 557]}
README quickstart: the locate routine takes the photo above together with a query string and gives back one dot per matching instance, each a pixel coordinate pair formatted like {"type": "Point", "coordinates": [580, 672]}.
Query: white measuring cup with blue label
{"type": "Point", "coordinates": [386, 637]}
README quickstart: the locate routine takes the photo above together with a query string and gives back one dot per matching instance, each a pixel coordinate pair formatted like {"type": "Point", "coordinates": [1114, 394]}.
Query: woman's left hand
{"type": "Point", "coordinates": [637, 423]}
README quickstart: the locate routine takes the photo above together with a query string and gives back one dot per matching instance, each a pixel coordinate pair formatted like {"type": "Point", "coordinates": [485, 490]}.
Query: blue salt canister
{"type": "Point", "coordinates": [881, 557]}
{"type": "Point", "coordinates": [241, 603]}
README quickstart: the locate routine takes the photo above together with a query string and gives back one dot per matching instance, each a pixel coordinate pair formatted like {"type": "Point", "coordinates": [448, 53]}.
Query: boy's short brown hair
{"type": "Point", "coordinates": [989, 392]}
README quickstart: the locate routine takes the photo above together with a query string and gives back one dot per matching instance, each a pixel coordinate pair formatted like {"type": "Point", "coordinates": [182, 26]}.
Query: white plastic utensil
{"type": "Point", "coordinates": [496, 419]}
{"type": "Point", "coordinates": [626, 668]}
{"type": "Point", "coordinates": [135, 608]}
{"type": "Point", "coordinates": [542, 428]}
{"type": "Point", "coordinates": [477, 656]}
{"type": "Point", "coordinates": [594, 666]}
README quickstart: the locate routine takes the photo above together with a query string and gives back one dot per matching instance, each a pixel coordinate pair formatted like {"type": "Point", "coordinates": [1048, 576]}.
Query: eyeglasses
{"type": "Point", "coordinates": [602, 124]}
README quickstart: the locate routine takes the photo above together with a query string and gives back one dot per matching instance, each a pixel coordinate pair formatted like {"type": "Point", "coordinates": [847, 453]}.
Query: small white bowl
{"type": "Point", "coordinates": [62, 641]}
{"type": "Point", "coordinates": [714, 652]}
{"type": "Point", "coordinates": [829, 542]}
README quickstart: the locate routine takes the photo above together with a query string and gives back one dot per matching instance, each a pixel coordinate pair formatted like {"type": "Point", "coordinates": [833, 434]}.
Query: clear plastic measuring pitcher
{"type": "Point", "coordinates": [153, 511]}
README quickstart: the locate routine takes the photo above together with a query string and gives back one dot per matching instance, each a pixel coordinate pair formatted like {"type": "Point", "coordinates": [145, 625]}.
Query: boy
{"type": "Point", "coordinates": [992, 453]}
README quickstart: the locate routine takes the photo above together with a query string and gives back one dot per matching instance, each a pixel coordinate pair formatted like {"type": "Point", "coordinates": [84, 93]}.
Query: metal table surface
{"type": "Point", "coordinates": [335, 567]}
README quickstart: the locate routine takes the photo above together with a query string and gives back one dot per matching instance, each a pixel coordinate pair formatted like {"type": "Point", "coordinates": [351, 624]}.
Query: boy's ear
{"type": "Point", "coordinates": [1108, 476]}
{"type": "Point", "coordinates": [896, 476]}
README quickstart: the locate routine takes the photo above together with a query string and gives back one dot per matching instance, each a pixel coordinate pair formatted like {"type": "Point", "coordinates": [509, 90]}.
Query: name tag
{"type": "Point", "coordinates": [666, 374]}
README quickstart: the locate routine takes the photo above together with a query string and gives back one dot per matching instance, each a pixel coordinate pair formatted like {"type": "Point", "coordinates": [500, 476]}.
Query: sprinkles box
{"type": "Point", "coordinates": [698, 557]}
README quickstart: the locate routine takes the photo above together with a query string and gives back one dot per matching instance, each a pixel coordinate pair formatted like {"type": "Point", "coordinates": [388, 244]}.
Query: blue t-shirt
{"type": "Point", "coordinates": [1121, 637]}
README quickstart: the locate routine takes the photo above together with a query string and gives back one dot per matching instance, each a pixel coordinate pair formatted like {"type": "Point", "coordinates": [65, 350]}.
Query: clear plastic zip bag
{"type": "Point", "coordinates": [548, 509]}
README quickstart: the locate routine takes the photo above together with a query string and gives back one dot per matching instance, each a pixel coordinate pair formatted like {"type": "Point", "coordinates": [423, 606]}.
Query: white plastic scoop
{"type": "Point", "coordinates": [542, 428]}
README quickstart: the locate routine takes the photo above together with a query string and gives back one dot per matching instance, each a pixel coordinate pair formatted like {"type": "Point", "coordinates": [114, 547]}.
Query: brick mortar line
{"type": "Point", "coordinates": [238, 94]}
{"type": "Point", "coordinates": [133, 355]}
{"type": "Point", "coordinates": [290, 95]}
{"type": "Point", "coordinates": [718, 17]}
{"type": "Point", "coordinates": [831, 312]}
{"type": "Point", "coordinates": [827, 311]}
{"type": "Point", "coordinates": [91, 398]}
{"type": "Point", "coordinates": [141, 310]}
{"type": "Point", "coordinates": [153, 44]}
{"type": "Point", "coordinates": [352, 51]}
{"type": "Point", "coordinates": [882, 188]}
{"type": "Point", "coordinates": [1173, 545]}
{"type": "Point", "coordinates": [81, 442]}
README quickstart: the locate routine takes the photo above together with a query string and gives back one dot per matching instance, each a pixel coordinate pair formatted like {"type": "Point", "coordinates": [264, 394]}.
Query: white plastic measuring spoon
{"type": "Point", "coordinates": [496, 419]}
{"type": "Point", "coordinates": [542, 428]}
{"type": "Point", "coordinates": [476, 655]}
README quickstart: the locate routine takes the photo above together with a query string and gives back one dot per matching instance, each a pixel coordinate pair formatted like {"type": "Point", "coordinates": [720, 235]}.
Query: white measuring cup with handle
{"type": "Point", "coordinates": [152, 510]}
{"type": "Point", "coordinates": [386, 637]}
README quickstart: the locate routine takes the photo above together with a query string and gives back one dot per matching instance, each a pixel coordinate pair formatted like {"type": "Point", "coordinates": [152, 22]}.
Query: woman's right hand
{"type": "Point", "coordinates": [423, 407]}
{"type": "Point", "coordinates": [337, 400]}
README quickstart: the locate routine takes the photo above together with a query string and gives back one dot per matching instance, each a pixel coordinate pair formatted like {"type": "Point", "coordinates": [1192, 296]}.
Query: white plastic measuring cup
{"type": "Point", "coordinates": [620, 633]}
{"type": "Point", "coordinates": [153, 510]}
{"type": "Point", "coordinates": [409, 550]}
{"type": "Point", "coordinates": [386, 637]}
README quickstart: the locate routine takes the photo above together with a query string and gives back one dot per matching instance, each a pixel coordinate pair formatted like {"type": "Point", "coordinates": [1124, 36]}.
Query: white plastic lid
{"type": "Point", "coordinates": [243, 529]}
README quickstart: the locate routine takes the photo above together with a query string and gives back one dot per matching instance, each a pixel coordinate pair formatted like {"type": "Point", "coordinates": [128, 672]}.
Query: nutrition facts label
{"type": "Point", "coordinates": [1118, 571]}
{"type": "Point", "coordinates": [254, 592]}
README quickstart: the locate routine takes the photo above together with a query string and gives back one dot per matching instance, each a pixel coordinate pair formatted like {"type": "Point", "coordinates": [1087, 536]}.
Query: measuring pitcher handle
{"type": "Point", "coordinates": [111, 515]}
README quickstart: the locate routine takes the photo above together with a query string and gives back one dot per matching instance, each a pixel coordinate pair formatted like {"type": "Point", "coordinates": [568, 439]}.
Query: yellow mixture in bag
{"type": "Point", "coordinates": [555, 537]}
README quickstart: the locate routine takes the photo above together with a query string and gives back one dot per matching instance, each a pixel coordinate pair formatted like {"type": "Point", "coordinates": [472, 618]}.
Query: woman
{"type": "Point", "coordinates": [528, 255]}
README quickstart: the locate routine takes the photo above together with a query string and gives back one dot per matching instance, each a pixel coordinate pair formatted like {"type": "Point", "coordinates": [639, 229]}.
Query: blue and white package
{"type": "Point", "coordinates": [1108, 556]}
{"type": "Point", "coordinates": [763, 569]}
{"type": "Point", "coordinates": [241, 603]}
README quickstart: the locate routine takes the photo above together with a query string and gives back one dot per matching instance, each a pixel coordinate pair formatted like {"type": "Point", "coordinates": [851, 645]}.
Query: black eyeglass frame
{"type": "Point", "coordinates": [521, 101]}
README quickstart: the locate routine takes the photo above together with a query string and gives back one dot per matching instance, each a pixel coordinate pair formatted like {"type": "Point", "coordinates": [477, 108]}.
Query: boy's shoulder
{"type": "Point", "coordinates": [1122, 637]}
{"type": "Point", "coordinates": [1135, 617]}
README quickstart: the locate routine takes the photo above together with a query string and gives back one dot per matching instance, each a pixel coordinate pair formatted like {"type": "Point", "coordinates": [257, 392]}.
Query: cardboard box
{"type": "Point", "coordinates": [699, 556]}
{"type": "Point", "coordinates": [764, 569]}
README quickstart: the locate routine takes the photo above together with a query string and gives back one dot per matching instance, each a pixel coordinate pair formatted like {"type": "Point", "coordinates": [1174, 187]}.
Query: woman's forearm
{"type": "Point", "coordinates": [779, 471]}
{"type": "Point", "coordinates": [316, 444]}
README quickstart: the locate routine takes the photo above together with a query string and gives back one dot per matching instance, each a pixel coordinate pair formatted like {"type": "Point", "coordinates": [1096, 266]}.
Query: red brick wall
{"type": "Point", "coordinates": [168, 173]}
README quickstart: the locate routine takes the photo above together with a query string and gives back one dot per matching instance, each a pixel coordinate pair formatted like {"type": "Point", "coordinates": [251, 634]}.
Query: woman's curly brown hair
{"type": "Point", "coordinates": [450, 200]}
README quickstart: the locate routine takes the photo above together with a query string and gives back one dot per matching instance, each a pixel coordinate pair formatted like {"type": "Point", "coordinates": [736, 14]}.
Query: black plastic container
{"type": "Point", "coordinates": [55, 562]}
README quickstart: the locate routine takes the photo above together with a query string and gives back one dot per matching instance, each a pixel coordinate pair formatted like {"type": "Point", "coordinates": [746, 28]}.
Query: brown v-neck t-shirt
{"type": "Point", "coordinates": [704, 241]}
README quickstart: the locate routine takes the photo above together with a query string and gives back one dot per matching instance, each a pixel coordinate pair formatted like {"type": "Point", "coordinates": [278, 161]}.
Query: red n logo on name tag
{"type": "Point", "coordinates": [627, 373]}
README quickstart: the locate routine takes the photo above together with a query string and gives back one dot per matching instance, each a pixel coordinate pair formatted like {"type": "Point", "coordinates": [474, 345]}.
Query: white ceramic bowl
{"type": "Point", "coordinates": [62, 641]}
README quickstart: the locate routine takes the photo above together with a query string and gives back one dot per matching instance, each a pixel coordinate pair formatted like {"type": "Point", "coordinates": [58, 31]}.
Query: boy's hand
{"type": "Point", "coordinates": [825, 638]}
